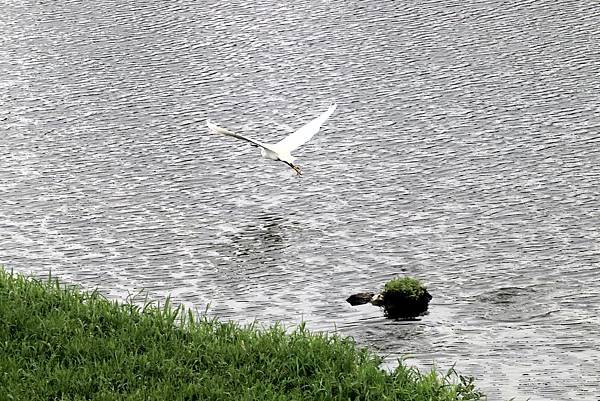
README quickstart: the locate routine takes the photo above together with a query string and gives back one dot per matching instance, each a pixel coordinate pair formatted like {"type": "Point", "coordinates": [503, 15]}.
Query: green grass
{"type": "Point", "coordinates": [59, 343]}
{"type": "Point", "coordinates": [408, 286]}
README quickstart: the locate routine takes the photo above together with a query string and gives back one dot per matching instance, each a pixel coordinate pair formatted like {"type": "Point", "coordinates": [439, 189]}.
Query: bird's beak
{"type": "Point", "coordinates": [297, 169]}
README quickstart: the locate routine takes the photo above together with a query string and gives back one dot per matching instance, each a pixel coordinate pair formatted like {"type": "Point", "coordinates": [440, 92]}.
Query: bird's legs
{"type": "Point", "coordinates": [295, 168]}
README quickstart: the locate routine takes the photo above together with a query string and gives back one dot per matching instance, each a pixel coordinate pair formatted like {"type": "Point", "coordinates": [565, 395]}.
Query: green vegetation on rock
{"type": "Point", "coordinates": [407, 286]}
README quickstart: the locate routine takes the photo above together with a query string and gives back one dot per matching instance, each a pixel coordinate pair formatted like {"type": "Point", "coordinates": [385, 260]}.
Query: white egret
{"type": "Point", "coordinates": [281, 151]}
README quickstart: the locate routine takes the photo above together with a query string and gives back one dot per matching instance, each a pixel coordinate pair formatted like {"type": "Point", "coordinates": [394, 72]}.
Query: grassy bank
{"type": "Point", "coordinates": [58, 343]}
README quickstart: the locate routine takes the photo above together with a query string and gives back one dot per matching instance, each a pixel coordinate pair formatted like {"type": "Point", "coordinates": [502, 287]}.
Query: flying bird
{"type": "Point", "coordinates": [281, 151]}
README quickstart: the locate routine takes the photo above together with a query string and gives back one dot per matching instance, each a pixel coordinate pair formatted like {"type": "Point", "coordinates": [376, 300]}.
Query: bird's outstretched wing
{"type": "Point", "coordinates": [303, 135]}
{"type": "Point", "coordinates": [214, 128]}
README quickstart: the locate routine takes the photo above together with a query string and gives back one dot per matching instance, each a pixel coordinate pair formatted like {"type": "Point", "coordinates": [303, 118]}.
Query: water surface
{"type": "Point", "coordinates": [464, 152]}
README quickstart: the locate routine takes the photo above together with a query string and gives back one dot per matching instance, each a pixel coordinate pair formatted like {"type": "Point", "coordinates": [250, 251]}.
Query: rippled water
{"type": "Point", "coordinates": [465, 151]}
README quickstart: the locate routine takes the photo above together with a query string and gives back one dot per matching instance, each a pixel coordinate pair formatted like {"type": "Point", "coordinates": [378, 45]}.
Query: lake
{"type": "Point", "coordinates": [465, 151]}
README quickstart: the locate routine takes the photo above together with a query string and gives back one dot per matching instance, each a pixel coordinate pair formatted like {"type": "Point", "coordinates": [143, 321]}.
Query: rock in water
{"type": "Point", "coordinates": [360, 299]}
{"type": "Point", "coordinates": [400, 306]}
{"type": "Point", "coordinates": [405, 298]}
{"type": "Point", "coordinates": [401, 298]}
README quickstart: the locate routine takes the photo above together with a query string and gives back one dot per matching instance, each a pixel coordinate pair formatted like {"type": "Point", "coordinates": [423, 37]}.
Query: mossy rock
{"type": "Point", "coordinates": [405, 298]}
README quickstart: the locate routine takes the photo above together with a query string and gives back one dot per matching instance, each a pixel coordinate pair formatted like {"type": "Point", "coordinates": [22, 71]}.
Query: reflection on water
{"type": "Point", "coordinates": [464, 151]}
{"type": "Point", "coordinates": [264, 239]}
